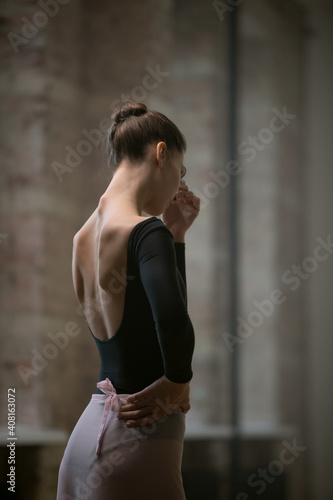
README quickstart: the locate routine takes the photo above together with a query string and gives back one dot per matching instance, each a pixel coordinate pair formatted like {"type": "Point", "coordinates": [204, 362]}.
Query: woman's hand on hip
{"type": "Point", "coordinates": [155, 402]}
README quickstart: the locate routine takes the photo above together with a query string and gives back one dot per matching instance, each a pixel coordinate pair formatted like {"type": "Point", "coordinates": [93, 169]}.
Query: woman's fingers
{"type": "Point", "coordinates": [196, 202]}
{"type": "Point", "coordinates": [184, 195]}
{"type": "Point", "coordinates": [186, 407]}
{"type": "Point", "coordinates": [188, 195]}
{"type": "Point", "coordinates": [136, 414]}
{"type": "Point", "coordinates": [154, 416]}
{"type": "Point", "coordinates": [142, 417]}
{"type": "Point", "coordinates": [136, 405]}
{"type": "Point", "coordinates": [154, 402]}
{"type": "Point", "coordinates": [143, 395]}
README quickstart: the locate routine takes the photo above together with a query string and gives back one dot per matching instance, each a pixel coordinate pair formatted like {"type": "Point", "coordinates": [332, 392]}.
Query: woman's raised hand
{"type": "Point", "coordinates": [155, 402]}
{"type": "Point", "coordinates": [181, 212]}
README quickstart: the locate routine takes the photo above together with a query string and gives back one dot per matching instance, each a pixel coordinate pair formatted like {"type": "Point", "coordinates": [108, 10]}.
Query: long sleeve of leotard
{"type": "Point", "coordinates": [180, 255]}
{"type": "Point", "coordinates": [164, 285]}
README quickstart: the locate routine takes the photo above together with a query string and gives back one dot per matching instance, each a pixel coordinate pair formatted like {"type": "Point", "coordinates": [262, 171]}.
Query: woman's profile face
{"type": "Point", "coordinates": [174, 171]}
{"type": "Point", "coordinates": [168, 182]}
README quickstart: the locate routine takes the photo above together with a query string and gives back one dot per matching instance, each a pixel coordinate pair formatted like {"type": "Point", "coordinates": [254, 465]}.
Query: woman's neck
{"type": "Point", "coordinates": [129, 188]}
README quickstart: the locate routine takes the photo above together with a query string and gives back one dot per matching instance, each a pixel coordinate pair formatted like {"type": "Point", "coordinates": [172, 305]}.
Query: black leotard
{"type": "Point", "coordinates": [156, 335]}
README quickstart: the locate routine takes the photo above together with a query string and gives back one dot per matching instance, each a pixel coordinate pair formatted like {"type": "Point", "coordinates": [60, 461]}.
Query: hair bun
{"type": "Point", "coordinates": [129, 109]}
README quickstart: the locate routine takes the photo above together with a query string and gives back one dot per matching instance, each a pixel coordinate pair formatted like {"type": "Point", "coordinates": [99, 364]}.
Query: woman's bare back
{"type": "Point", "coordinates": [99, 268]}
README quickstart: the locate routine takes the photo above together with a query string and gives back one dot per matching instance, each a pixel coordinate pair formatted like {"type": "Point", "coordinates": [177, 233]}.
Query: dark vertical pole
{"type": "Point", "coordinates": [233, 224]}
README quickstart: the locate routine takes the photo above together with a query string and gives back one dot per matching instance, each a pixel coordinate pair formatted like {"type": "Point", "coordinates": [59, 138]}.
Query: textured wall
{"type": "Point", "coordinates": [318, 213]}
{"type": "Point", "coordinates": [271, 201]}
{"type": "Point", "coordinates": [59, 84]}
{"type": "Point", "coordinates": [42, 106]}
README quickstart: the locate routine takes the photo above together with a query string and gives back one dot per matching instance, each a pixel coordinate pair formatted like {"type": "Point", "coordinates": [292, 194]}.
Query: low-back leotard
{"type": "Point", "coordinates": [156, 335]}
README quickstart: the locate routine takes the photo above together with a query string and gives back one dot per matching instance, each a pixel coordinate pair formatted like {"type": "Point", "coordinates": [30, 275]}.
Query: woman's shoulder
{"type": "Point", "coordinates": [125, 227]}
{"type": "Point", "coordinates": [149, 233]}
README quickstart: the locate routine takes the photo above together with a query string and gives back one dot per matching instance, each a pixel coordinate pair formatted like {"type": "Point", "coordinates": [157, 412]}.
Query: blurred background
{"type": "Point", "coordinates": [249, 84]}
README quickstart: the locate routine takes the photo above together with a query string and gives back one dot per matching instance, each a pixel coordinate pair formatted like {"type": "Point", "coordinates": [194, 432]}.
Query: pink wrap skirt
{"type": "Point", "coordinates": [106, 460]}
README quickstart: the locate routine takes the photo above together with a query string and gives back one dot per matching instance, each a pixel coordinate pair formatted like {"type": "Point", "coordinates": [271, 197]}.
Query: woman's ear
{"type": "Point", "coordinates": [161, 150]}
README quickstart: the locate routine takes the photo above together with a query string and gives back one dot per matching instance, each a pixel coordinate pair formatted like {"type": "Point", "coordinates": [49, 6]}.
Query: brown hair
{"type": "Point", "coordinates": [133, 128]}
